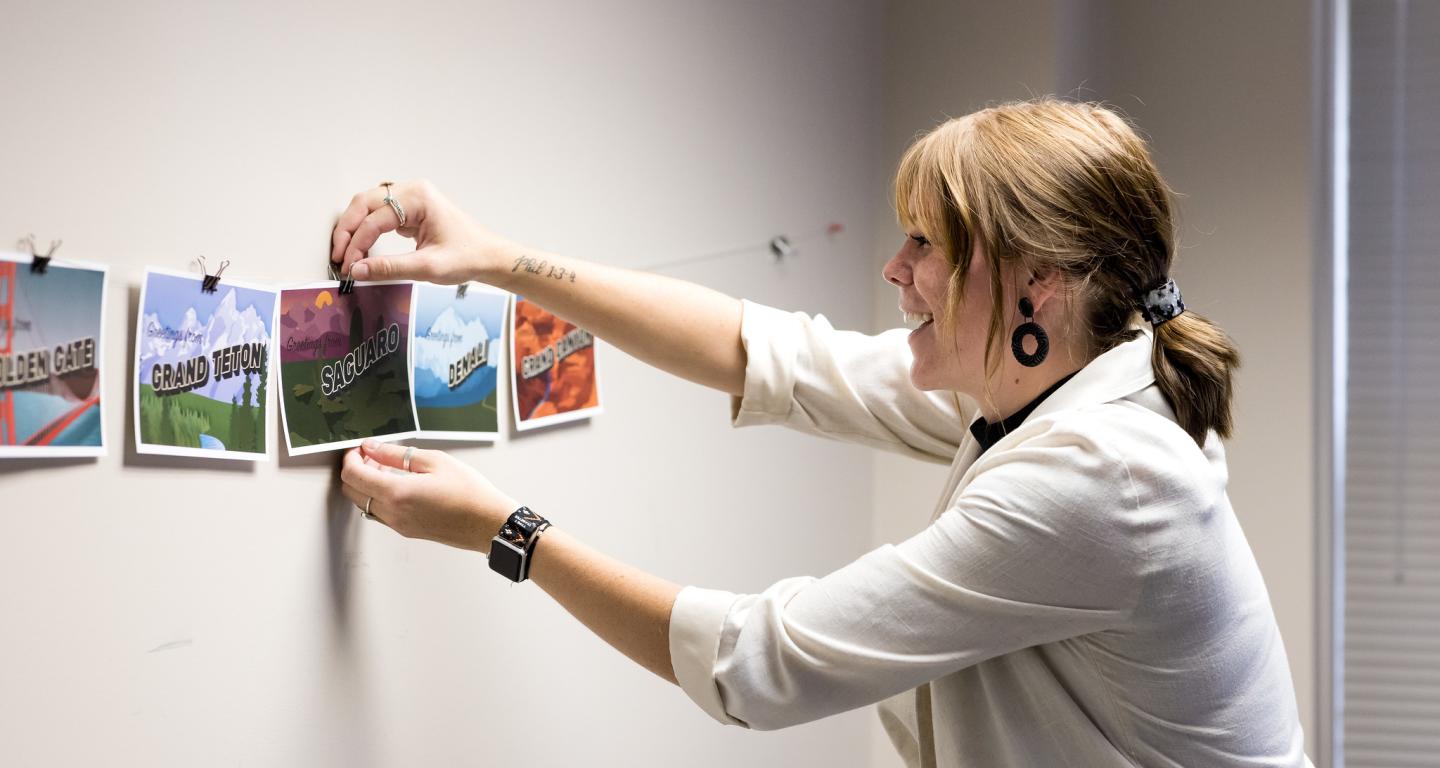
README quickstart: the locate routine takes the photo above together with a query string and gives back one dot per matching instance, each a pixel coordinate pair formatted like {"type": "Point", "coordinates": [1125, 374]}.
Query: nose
{"type": "Point", "coordinates": [896, 271]}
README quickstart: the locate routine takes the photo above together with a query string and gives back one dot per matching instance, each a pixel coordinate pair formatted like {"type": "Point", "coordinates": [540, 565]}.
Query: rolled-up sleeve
{"type": "Point", "coordinates": [804, 374]}
{"type": "Point", "coordinates": [1035, 549]}
{"type": "Point", "coordinates": [695, 622]}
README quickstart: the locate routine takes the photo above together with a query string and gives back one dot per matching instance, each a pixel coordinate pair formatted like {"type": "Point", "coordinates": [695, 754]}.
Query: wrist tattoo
{"type": "Point", "coordinates": [541, 267]}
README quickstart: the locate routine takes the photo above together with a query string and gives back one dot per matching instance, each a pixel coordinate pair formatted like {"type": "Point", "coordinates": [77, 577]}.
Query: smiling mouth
{"type": "Point", "coordinates": [917, 320]}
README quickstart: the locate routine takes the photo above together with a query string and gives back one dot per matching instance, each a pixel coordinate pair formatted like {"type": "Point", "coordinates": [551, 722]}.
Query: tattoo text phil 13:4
{"type": "Point", "coordinates": [543, 268]}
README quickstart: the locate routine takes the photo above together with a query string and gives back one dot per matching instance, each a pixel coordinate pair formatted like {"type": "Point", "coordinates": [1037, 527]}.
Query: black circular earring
{"type": "Point", "coordinates": [1029, 328]}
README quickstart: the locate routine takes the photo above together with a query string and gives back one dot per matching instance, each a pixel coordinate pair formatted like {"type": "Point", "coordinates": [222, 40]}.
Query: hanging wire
{"type": "Point", "coordinates": [780, 246]}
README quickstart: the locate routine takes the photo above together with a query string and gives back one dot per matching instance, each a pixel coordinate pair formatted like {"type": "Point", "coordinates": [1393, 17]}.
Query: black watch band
{"type": "Point", "coordinates": [511, 548]}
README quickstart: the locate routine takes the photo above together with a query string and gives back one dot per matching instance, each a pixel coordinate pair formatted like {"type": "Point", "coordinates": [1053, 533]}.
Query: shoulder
{"type": "Point", "coordinates": [1051, 508]}
{"type": "Point", "coordinates": [1163, 463]}
{"type": "Point", "coordinates": [1115, 472]}
{"type": "Point", "coordinates": [1104, 440]}
{"type": "Point", "coordinates": [1077, 455]}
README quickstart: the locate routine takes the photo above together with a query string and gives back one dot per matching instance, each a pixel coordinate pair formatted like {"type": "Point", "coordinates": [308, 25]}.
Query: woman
{"type": "Point", "coordinates": [1083, 596]}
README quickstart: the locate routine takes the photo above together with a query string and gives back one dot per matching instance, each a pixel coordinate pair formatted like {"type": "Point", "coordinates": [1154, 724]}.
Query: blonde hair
{"type": "Point", "coordinates": [1069, 189]}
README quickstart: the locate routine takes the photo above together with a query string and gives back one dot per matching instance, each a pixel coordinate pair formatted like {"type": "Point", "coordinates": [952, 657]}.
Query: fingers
{"type": "Point", "coordinates": [368, 216]}
{"type": "Point", "coordinates": [370, 228]}
{"type": "Point", "coordinates": [391, 455]}
{"type": "Point", "coordinates": [367, 479]}
{"type": "Point", "coordinates": [360, 206]}
{"type": "Point", "coordinates": [364, 484]}
{"type": "Point", "coordinates": [360, 501]}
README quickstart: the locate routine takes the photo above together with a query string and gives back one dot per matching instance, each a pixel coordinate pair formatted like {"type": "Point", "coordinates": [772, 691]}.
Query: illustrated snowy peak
{"type": "Point", "coordinates": [447, 340]}
{"type": "Point", "coordinates": [227, 326]}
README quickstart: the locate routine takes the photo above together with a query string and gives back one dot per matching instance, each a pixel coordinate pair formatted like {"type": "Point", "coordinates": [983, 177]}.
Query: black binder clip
{"type": "Point", "coordinates": [347, 284]}
{"type": "Point", "coordinates": [210, 282]}
{"type": "Point", "coordinates": [781, 247]}
{"type": "Point", "coordinates": [38, 263]}
{"type": "Point", "coordinates": [460, 290]}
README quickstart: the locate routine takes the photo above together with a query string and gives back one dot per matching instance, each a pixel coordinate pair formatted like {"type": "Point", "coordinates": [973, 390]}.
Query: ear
{"type": "Point", "coordinates": [1041, 287]}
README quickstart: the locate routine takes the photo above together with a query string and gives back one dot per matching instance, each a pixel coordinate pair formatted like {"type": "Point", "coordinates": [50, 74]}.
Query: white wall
{"type": "Point", "coordinates": [166, 612]}
{"type": "Point", "coordinates": [1223, 90]}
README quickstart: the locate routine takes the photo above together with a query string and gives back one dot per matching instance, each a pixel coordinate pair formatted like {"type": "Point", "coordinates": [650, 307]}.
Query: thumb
{"type": "Point", "coordinates": [376, 268]}
{"type": "Point", "coordinates": [420, 265]}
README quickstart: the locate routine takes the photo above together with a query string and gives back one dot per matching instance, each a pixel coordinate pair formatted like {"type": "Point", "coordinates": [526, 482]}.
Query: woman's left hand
{"type": "Point", "coordinates": [441, 498]}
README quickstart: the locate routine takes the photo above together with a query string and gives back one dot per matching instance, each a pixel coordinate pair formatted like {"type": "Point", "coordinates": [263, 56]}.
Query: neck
{"type": "Point", "coordinates": [1014, 385]}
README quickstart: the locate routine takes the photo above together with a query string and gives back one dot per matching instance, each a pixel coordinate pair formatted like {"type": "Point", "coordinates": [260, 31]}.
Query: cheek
{"type": "Point", "coordinates": [977, 310]}
{"type": "Point", "coordinates": [932, 277]}
{"type": "Point", "coordinates": [971, 335]}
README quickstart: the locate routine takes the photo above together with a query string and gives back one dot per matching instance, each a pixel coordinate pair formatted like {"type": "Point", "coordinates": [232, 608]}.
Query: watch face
{"type": "Point", "coordinates": [506, 560]}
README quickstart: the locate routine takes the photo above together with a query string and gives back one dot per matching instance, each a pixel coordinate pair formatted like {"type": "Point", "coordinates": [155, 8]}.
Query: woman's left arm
{"type": "Point", "coordinates": [445, 500]}
{"type": "Point", "coordinates": [1049, 542]}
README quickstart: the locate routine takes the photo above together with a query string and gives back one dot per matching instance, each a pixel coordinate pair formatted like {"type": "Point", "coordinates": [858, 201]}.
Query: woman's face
{"type": "Point", "coordinates": [922, 273]}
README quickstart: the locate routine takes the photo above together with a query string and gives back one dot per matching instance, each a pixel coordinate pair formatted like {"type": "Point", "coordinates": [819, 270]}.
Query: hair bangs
{"type": "Point", "coordinates": [920, 193]}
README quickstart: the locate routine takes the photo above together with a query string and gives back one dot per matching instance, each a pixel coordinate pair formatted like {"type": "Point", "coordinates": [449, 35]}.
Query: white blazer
{"type": "Point", "coordinates": [1083, 596]}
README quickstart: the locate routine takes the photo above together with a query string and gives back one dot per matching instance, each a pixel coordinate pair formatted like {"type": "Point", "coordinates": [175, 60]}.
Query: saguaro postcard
{"type": "Point", "coordinates": [345, 365]}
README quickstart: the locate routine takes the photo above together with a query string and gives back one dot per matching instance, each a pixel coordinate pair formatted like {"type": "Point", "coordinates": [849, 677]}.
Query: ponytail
{"type": "Point", "coordinates": [1194, 361]}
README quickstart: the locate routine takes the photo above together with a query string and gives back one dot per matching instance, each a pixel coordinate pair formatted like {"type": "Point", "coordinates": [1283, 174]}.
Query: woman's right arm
{"type": "Point", "coordinates": [679, 327]}
{"type": "Point", "coordinates": [780, 368]}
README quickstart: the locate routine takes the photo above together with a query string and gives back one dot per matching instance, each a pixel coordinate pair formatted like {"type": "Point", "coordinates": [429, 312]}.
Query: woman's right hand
{"type": "Point", "coordinates": [450, 247]}
{"type": "Point", "coordinates": [688, 330]}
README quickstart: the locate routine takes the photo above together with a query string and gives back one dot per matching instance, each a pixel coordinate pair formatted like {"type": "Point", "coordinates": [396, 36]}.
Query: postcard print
{"type": "Point", "coordinates": [553, 372]}
{"type": "Point", "coordinates": [50, 358]}
{"type": "Point", "coordinates": [203, 367]}
{"type": "Point", "coordinates": [345, 365]}
{"type": "Point", "coordinates": [458, 348]}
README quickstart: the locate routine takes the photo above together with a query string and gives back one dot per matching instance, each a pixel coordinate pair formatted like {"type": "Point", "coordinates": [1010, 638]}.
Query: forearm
{"type": "Point", "coordinates": [679, 327]}
{"type": "Point", "coordinates": [625, 606]}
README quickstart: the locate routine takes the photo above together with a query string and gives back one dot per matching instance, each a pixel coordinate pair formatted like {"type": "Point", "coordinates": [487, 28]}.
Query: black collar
{"type": "Point", "coordinates": [990, 433]}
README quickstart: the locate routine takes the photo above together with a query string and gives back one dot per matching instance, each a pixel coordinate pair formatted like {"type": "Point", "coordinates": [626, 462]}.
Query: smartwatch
{"type": "Point", "coordinates": [511, 548]}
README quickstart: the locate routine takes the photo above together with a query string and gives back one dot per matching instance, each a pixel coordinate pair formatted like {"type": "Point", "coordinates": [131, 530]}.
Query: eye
{"type": "Point", "coordinates": [920, 240]}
